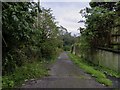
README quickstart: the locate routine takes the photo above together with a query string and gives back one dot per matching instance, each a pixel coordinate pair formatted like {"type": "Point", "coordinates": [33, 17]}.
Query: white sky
{"type": "Point", "coordinates": [67, 13]}
{"type": "Point", "coordinates": [62, 0]}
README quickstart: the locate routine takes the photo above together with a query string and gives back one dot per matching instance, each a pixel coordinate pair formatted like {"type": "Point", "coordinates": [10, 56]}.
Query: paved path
{"type": "Point", "coordinates": [64, 74]}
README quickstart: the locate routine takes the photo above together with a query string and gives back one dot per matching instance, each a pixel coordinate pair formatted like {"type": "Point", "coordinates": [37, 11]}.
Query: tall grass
{"type": "Point", "coordinates": [28, 71]}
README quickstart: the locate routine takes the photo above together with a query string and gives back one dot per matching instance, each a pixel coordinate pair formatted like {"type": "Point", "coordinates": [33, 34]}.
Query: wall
{"type": "Point", "coordinates": [106, 58]}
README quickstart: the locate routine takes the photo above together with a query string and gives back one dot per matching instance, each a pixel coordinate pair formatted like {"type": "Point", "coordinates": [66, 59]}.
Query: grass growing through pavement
{"type": "Point", "coordinates": [28, 71]}
{"type": "Point", "coordinates": [100, 76]}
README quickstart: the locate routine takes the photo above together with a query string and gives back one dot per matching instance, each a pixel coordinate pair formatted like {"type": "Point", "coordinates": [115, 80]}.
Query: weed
{"type": "Point", "coordinates": [28, 71]}
{"type": "Point", "coordinates": [100, 76]}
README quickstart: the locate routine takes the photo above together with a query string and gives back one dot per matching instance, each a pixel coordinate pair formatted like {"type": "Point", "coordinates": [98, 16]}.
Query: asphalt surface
{"type": "Point", "coordinates": [64, 74]}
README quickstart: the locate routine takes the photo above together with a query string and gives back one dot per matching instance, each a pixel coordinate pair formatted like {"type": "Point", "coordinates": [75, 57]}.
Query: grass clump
{"type": "Point", "coordinates": [108, 71]}
{"type": "Point", "coordinates": [28, 71]}
{"type": "Point", "coordinates": [100, 76]}
{"type": "Point", "coordinates": [104, 81]}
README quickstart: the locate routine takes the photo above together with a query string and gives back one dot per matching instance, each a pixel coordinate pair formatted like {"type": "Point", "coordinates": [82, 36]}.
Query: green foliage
{"type": "Point", "coordinates": [108, 5]}
{"type": "Point", "coordinates": [84, 44]}
{"type": "Point", "coordinates": [66, 48]}
{"type": "Point", "coordinates": [99, 24]}
{"type": "Point", "coordinates": [104, 81]}
{"type": "Point", "coordinates": [108, 71]}
{"type": "Point", "coordinates": [28, 33]}
{"type": "Point", "coordinates": [30, 42]}
{"type": "Point", "coordinates": [17, 30]}
{"type": "Point", "coordinates": [68, 39]}
{"type": "Point", "coordinates": [100, 77]}
{"type": "Point", "coordinates": [49, 37]}
{"type": "Point", "coordinates": [101, 20]}
{"type": "Point", "coordinates": [24, 73]}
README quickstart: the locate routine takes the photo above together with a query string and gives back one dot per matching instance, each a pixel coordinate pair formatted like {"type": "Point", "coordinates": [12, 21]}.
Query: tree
{"type": "Point", "coordinates": [68, 39]}
{"type": "Point", "coordinates": [17, 25]}
{"type": "Point", "coordinates": [28, 34]}
{"type": "Point", "coordinates": [99, 23]}
{"type": "Point", "coordinates": [49, 33]}
{"type": "Point", "coordinates": [101, 20]}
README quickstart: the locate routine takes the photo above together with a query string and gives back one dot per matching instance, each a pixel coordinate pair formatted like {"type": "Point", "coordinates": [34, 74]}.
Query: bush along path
{"type": "Point", "coordinates": [29, 71]}
{"type": "Point", "coordinates": [28, 32]}
{"type": "Point", "coordinates": [65, 74]}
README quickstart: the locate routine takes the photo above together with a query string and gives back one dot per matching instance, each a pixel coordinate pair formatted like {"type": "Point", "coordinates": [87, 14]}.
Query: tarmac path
{"type": "Point", "coordinates": [64, 74]}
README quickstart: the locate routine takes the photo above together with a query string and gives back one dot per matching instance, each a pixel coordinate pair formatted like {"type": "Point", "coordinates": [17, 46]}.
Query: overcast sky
{"type": "Point", "coordinates": [67, 13]}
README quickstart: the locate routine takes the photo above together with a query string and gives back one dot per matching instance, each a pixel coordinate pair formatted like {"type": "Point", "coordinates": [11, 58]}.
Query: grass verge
{"type": "Point", "coordinates": [99, 76]}
{"type": "Point", "coordinates": [105, 70]}
{"type": "Point", "coordinates": [108, 71]}
{"type": "Point", "coordinates": [33, 70]}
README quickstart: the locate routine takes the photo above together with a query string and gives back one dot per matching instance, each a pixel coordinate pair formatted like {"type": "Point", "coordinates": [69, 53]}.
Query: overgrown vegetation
{"type": "Point", "coordinates": [99, 76]}
{"type": "Point", "coordinates": [101, 23]}
{"type": "Point", "coordinates": [28, 32]}
{"type": "Point", "coordinates": [31, 37]}
{"type": "Point", "coordinates": [24, 73]}
{"type": "Point", "coordinates": [101, 30]}
{"type": "Point", "coordinates": [108, 71]}
{"type": "Point", "coordinates": [67, 38]}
